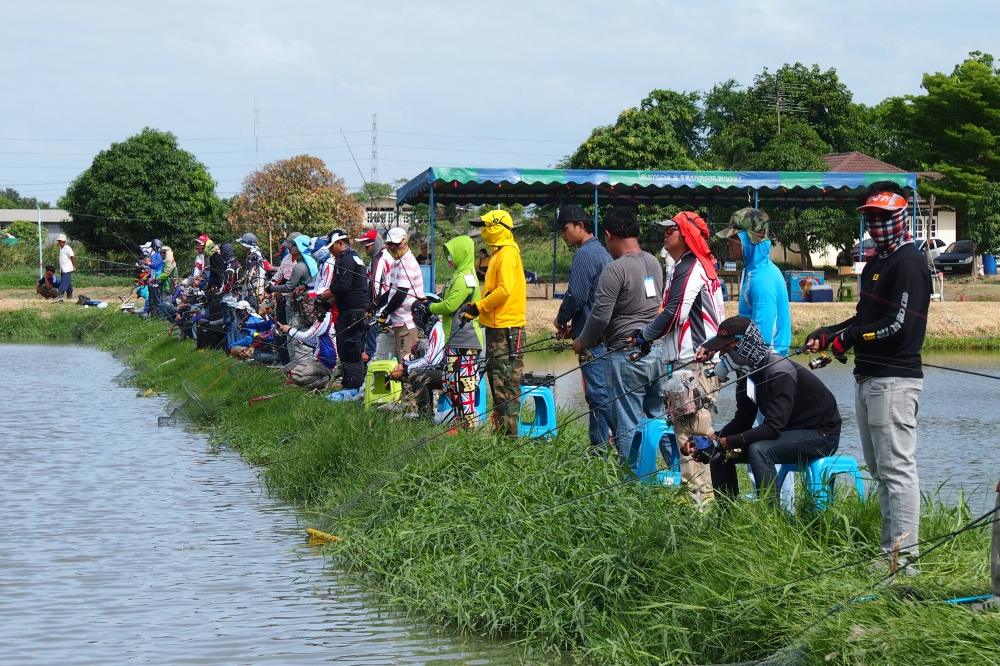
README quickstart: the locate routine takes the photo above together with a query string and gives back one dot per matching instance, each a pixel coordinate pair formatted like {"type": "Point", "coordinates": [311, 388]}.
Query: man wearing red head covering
{"type": "Point", "coordinates": [692, 309]}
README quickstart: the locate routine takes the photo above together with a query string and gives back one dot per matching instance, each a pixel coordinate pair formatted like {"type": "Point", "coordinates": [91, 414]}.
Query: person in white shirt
{"type": "Point", "coordinates": [67, 264]}
{"type": "Point", "coordinates": [406, 285]}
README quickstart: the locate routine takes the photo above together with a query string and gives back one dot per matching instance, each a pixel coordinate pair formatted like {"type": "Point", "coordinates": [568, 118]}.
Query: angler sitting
{"type": "Point", "coordinates": [423, 368]}
{"type": "Point", "coordinates": [800, 419]}
{"type": "Point", "coordinates": [48, 285]}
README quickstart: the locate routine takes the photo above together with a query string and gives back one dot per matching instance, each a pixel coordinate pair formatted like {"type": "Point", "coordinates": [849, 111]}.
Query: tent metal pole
{"type": "Point", "coordinates": [597, 222]}
{"type": "Point", "coordinates": [756, 199]}
{"type": "Point", "coordinates": [430, 243]}
{"type": "Point", "coordinates": [555, 235]}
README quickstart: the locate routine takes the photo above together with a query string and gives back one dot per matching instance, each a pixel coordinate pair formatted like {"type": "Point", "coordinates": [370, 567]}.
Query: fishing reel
{"type": "Point", "coordinates": [707, 449]}
{"type": "Point", "coordinates": [642, 349]}
{"type": "Point", "coordinates": [820, 361]}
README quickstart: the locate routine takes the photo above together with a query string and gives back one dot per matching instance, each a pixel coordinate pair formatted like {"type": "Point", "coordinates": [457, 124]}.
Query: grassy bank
{"type": "Point", "coordinates": [525, 539]}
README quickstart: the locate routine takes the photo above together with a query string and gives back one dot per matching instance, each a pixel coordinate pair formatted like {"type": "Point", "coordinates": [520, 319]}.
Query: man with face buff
{"type": "Point", "coordinates": [887, 333]}
{"type": "Point", "coordinates": [800, 422]}
{"type": "Point", "coordinates": [501, 312]}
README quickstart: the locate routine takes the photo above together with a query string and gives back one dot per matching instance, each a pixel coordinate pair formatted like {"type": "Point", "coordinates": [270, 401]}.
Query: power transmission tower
{"type": "Point", "coordinates": [256, 136]}
{"type": "Point", "coordinates": [374, 177]}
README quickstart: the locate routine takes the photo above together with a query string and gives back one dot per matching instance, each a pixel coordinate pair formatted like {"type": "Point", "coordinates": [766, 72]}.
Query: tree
{"type": "Point", "coordinates": [374, 190]}
{"type": "Point", "coordinates": [296, 194]}
{"type": "Point", "coordinates": [25, 231]}
{"type": "Point", "coordinates": [955, 129]}
{"type": "Point", "coordinates": [141, 188]}
{"type": "Point", "coordinates": [984, 219]}
{"type": "Point", "coordinates": [11, 198]}
{"type": "Point", "coordinates": [663, 133]}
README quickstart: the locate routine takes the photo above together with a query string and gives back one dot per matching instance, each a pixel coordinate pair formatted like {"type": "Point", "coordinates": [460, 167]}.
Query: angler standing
{"type": "Point", "coordinates": [626, 299]}
{"type": "Point", "coordinates": [887, 333]}
{"type": "Point", "coordinates": [303, 267]}
{"type": "Point", "coordinates": [379, 266]}
{"type": "Point", "coordinates": [67, 265]}
{"type": "Point", "coordinates": [589, 260]}
{"type": "Point", "coordinates": [464, 340]}
{"type": "Point", "coordinates": [351, 294]}
{"type": "Point", "coordinates": [406, 284]}
{"type": "Point", "coordinates": [692, 311]}
{"type": "Point", "coordinates": [502, 311]}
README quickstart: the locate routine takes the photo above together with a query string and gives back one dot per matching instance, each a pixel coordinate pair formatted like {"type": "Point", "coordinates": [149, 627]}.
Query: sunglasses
{"type": "Point", "coordinates": [669, 230]}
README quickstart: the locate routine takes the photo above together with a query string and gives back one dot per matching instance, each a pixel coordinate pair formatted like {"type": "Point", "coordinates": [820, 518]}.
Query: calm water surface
{"type": "Point", "coordinates": [123, 542]}
{"type": "Point", "coordinates": [958, 447]}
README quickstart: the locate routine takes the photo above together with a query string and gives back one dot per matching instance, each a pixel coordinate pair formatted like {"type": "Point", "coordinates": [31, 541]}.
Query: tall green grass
{"type": "Point", "coordinates": [523, 539]}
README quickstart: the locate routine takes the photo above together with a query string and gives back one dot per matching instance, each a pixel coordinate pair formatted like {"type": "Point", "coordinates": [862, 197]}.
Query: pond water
{"type": "Point", "coordinates": [957, 426]}
{"type": "Point", "coordinates": [123, 542]}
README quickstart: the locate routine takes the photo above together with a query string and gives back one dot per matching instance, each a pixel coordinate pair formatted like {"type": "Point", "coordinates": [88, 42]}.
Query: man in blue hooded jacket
{"type": "Point", "coordinates": [763, 294]}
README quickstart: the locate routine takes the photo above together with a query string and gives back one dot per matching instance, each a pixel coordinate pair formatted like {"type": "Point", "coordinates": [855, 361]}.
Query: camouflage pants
{"type": "Point", "coordinates": [504, 366]}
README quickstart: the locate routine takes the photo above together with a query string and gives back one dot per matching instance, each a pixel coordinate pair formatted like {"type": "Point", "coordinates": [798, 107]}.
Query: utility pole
{"type": "Point", "coordinates": [256, 136]}
{"type": "Point", "coordinates": [374, 177]}
{"type": "Point", "coordinates": [38, 210]}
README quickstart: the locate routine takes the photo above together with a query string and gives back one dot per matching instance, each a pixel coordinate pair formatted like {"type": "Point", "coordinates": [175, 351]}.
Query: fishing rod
{"type": "Point", "coordinates": [668, 372]}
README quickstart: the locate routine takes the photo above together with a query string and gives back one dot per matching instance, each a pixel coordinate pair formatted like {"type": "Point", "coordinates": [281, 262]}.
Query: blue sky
{"type": "Point", "coordinates": [452, 83]}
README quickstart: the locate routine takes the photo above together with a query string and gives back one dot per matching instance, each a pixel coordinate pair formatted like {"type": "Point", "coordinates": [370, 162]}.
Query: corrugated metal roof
{"type": "Point", "coordinates": [49, 215]}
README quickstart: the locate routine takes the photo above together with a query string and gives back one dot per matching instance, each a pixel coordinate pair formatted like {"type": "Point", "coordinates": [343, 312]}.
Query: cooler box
{"type": "Point", "coordinates": [800, 284]}
{"type": "Point", "coordinates": [822, 293]}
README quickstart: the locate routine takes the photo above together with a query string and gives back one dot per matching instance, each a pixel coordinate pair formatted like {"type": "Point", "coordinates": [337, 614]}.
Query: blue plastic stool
{"type": "Point", "coordinates": [544, 424]}
{"type": "Point", "coordinates": [444, 404]}
{"type": "Point", "coordinates": [820, 475]}
{"type": "Point", "coordinates": [642, 456]}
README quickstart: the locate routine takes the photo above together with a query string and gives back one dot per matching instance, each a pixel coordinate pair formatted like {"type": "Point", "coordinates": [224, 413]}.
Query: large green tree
{"type": "Point", "coordinates": [296, 194]}
{"type": "Point", "coordinates": [984, 219]}
{"type": "Point", "coordinates": [11, 198]}
{"type": "Point", "coordinates": [664, 132]}
{"type": "Point", "coordinates": [141, 188]}
{"type": "Point", "coordinates": [954, 129]}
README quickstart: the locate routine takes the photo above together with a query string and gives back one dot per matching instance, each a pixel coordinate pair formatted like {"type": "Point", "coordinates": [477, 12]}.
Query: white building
{"type": "Point", "coordinates": [52, 220]}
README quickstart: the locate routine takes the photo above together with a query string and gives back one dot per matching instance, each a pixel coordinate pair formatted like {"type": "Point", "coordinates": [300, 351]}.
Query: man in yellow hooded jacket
{"type": "Point", "coordinates": [501, 312]}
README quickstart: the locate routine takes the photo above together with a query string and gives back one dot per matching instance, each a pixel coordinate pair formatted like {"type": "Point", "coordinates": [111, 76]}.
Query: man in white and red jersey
{"type": "Point", "coordinates": [379, 264]}
{"type": "Point", "coordinates": [406, 285]}
{"type": "Point", "coordinates": [692, 309]}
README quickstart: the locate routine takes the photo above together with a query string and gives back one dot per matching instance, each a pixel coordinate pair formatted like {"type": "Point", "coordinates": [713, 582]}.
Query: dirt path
{"type": "Point", "coordinates": [14, 299]}
{"type": "Point", "coordinates": [945, 320]}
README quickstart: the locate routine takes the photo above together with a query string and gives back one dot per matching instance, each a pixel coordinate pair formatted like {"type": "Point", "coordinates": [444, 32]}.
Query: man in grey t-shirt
{"type": "Point", "coordinates": [626, 299]}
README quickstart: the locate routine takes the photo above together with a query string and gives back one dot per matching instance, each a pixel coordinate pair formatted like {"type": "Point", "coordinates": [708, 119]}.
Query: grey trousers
{"type": "Point", "coordinates": [887, 420]}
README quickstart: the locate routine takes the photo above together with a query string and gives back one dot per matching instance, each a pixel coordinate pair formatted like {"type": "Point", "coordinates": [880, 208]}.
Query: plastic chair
{"type": "Point", "coordinates": [444, 404]}
{"type": "Point", "coordinates": [378, 387]}
{"type": "Point", "coordinates": [651, 435]}
{"type": "Point", "coordinates": [820, 474]}
{"type": "Point", "coordinates": [544, 423]}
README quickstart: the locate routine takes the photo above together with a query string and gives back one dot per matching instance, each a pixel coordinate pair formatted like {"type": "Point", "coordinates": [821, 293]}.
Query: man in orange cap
{"type": "Point", "coordinates": [692, 309]}
{"type": "Point", "coordinates": [887, 332]}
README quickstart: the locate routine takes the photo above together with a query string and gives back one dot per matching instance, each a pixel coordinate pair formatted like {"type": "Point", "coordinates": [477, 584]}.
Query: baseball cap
{"type": "Point", "coordinates": [367, 237]}
{"type": "Point", "coordinates": [883, 201]}
{"type": "Point", "coordinates": [395, 235]}
{"type": "Point", "coordinates": [244, 305]}
{"type": "Point", "coordinates": [665, 223]}
{"type": "Point", "coordinates": [752, 220]}
{"type": "Point", "coordinates": [337, 235]}
{"type": "Point", "coordinates": [570, 213]}
{"type": "Point", "coordinates": [500, 217]}
{"type": "Point", "coordinates": [730, 330]}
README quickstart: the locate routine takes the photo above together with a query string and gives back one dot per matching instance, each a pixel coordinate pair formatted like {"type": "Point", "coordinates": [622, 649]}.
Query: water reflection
{"type": "Point", "coordinates": [125, 542]}
{"type": "Point", "coordinates": [957, 417]}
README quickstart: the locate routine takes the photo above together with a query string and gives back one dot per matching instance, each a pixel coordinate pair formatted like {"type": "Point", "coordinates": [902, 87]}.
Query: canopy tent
{"type": "Point", "coordinates": [472, 185]}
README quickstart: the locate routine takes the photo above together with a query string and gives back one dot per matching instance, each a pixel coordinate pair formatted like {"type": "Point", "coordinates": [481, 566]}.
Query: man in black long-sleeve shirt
{"type": "Point", "coordinates": [350, 291]}
{"type": "Point", "coordinates": [800, 416]}
{"type": "Point", "coordinates": [887, 333]}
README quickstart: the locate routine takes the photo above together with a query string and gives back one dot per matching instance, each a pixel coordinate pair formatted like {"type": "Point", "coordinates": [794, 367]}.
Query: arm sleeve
{"type": "Point", "coordinates": [457, 293]}
{"type": "Point", "coordinates": [500, 294]}
{"type": "Point", "coordinates": [609, 286]}
{"type": "Point", "coordinates": [677, 301]}
{"type": "Point", "coordinates": [910, 285]}
{"type": "Point", "coordinates": [576, 293]}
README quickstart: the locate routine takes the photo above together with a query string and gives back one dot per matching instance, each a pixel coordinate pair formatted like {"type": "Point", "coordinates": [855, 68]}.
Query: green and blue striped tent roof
{"type": "Point", "coordinates": [472, 185]}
